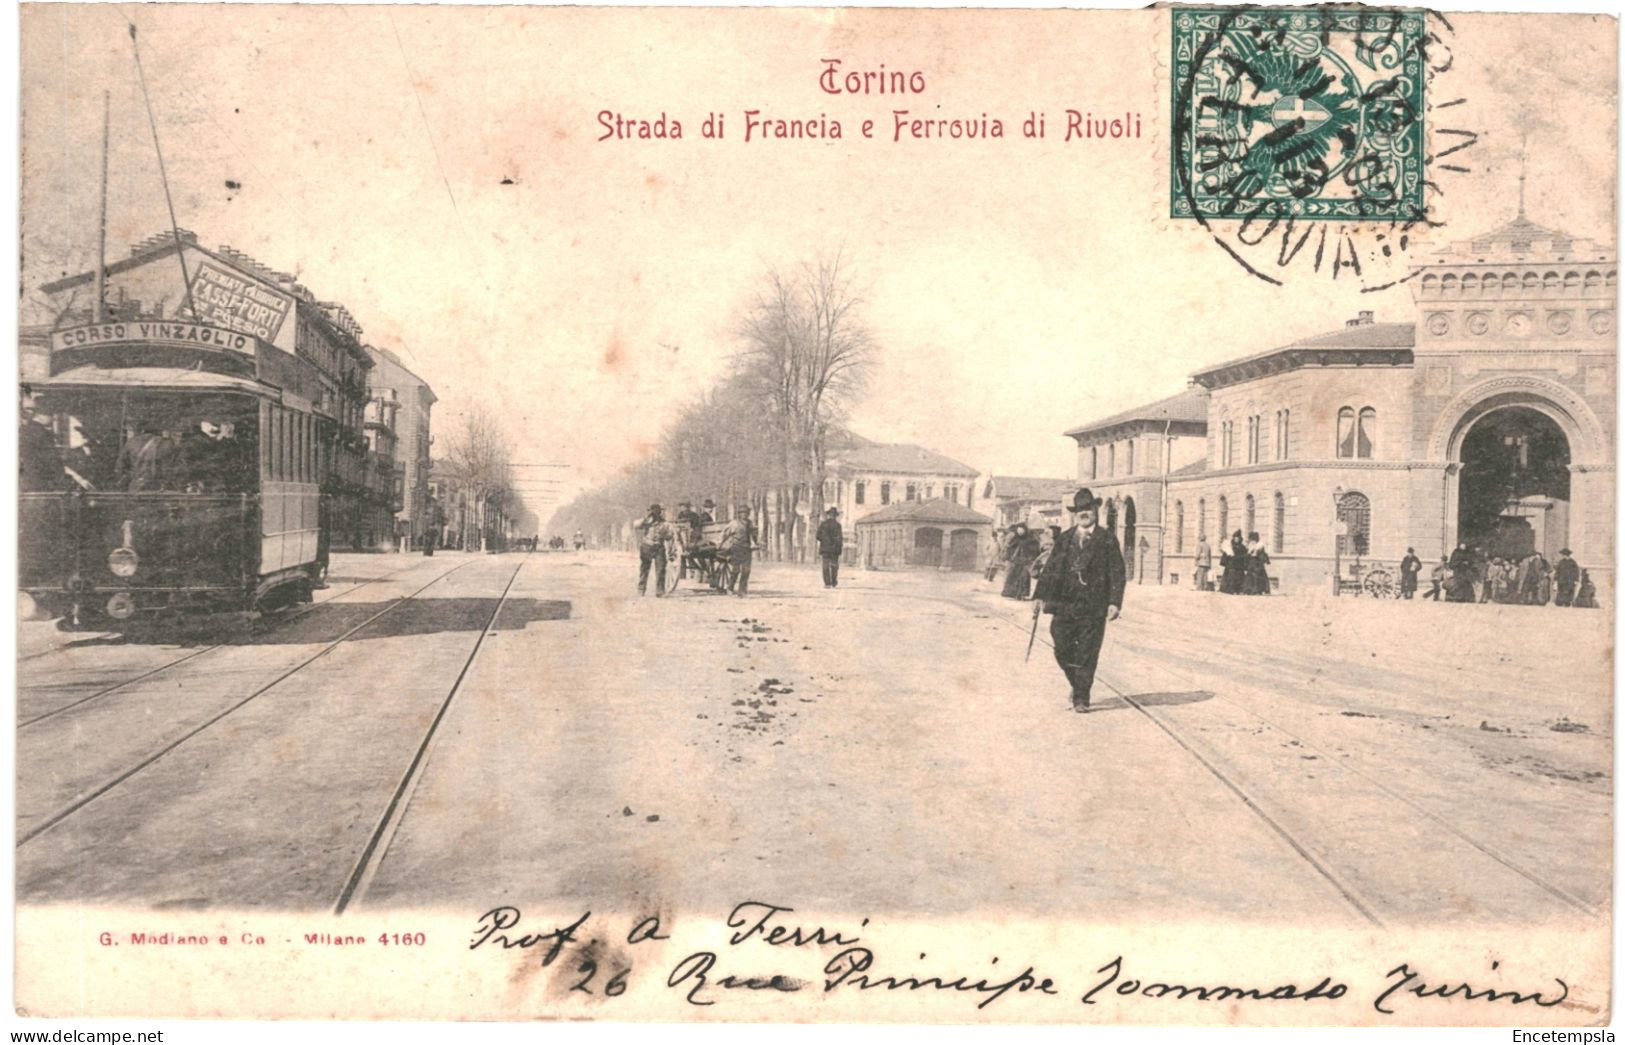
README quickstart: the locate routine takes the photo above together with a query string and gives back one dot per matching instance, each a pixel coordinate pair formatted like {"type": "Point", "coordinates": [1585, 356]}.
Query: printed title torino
{"type": "Point", "coordinates": [877, 81]}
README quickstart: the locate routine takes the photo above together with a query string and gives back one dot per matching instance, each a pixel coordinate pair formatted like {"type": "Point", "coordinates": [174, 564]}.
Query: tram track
{"type": "Point", "coordinates": [98, 791]}
{"type": "Point", "coordinates": [260, 627]}
{"type": "Point", "coordinates": [1367, 907]}
{"type": "Point", "coordinates": [378, 842]}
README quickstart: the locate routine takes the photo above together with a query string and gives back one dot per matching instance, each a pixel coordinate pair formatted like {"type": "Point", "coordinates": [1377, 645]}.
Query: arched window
{"type": "Point", "coordinates": [1201, 517]}
{"type": "Point", "coordinates": [1251, 517]}
{"type": "Point", "coordinates": [1179, 527]}
{"type": "Point", "coordinates": [1354, 512]}
{"type": "Point", "coordinates": [1224, 518]}
{"type": "Point", "coordinates": [1094, 462]}
{"type": "Point", "coordinates": [1130, 469]}
{"type": "Point", "coordinates": [1367, 429]}
{"type": "Point", "coordinates": [1111, 459]}
{"type": "Point", "coordinates": [885, 493]}
{"type": "Point", "coordinates": [1356, 433]}
{"type": "Point", "coordinates": [1278, 526]}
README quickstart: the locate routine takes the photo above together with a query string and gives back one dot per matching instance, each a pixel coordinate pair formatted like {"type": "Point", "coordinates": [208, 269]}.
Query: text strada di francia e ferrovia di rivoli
{"type": "Point", "coordinates": [917, 121]}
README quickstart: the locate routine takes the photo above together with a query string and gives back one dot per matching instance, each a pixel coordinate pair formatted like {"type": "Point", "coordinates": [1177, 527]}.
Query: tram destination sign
{"type": "Point", "coordinates": [152, 331]}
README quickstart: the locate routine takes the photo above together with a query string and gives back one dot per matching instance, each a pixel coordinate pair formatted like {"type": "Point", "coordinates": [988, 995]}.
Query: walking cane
{"type": "Point", "coordinates": [1038, 608]}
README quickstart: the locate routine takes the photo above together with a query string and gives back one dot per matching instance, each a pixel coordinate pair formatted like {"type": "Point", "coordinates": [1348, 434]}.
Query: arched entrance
{"type": "Point", "coordinates": [1129, 545]}
{"type": "Point", "coordinates": [927, 547]}
{"type": "Point", "coordinates": [1514, 487]}
{"type": "Point", "coordinates": [962, 554]}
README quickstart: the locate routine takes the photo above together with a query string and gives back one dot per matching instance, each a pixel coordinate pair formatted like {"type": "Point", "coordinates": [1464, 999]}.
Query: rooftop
{"type": "Point", "coordinates": [1022, 488]}
{"type": "Point", "coordinates": [899, 458]}
{"type": "Point", "coordinates": [1361, 341]}
{"type": "Point", "coordinates": [935, 511]}
{"type": "Point", "coordinates": [1189, 405]}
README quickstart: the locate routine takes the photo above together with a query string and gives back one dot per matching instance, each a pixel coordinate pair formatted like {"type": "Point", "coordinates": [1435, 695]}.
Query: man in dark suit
{"type": "Point", "coordinates": [829, 546]}
{"type": "Point", "coordinates": [1082, 586]}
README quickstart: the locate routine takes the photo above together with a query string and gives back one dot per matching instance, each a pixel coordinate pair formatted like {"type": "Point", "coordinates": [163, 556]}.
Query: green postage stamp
{"type": "Point", "coordinates": [1298, 112]}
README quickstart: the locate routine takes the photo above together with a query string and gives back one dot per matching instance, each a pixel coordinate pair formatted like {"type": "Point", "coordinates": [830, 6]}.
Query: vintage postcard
{"type": "Point", "coordinates": [816, 515]}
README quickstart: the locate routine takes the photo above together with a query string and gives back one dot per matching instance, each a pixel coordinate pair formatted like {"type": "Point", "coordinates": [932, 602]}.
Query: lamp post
{"type": "Point", "coordinates": [1337, 541]}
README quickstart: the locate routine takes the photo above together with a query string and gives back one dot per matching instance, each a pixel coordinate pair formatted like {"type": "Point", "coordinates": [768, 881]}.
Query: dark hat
{"type": "Point", "coordinates": [1084, 499]}
{"type": "Point", "coordinates": [1564, 551]}
{"type": "Point", "coordinates": [685, 504]}
{"type": "Point", "coordinates": [709, 503]}
{"type": "Point", "coordinates": [654, 507]}
{"type": "Point", "coordinates": [832, 510]}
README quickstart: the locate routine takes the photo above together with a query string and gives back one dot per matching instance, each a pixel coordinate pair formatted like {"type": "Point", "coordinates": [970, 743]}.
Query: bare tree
{"type": "Point", "coordinates": [480, 459]}
{"type": "Point", "coordinates": [807, 355]}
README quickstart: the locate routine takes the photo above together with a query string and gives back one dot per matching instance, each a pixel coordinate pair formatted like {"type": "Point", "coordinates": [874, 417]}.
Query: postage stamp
{"type": "Point", "coordinates": [1311, 113]}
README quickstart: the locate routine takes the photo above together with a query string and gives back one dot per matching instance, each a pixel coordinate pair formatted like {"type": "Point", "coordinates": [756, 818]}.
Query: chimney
{"type": "Point", "coordinates": [1364, 319]}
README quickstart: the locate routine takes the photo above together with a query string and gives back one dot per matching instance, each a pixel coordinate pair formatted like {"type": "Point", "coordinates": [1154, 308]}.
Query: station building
{"type": "Point", "coordinates": [1485, 416]}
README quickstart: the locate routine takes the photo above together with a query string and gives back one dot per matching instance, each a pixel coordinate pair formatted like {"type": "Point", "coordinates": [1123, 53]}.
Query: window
{"type": "Point", "coordinates": [858, 491]}
{"type": "Point", "coordinates": [1224, 517]}
{"type": "Point", "coordinates": [1278, 524]}
{"type": "Point", "coordinates": [1201, 517]}
{"type": "Point", "coordinates": [1111, 459]}
{"type": "Point", "coordinates": [1355, 433]}
{"type": "Point", "coordinates": [1179, 527]}
{"type": "Point", "coordinates": [930, 491]}
{"type": "Point", "coordinates": [1283, 434]}
{"type": "Point", "coordinates": [885, 493]}
{"type": "Point", "coordinates": [1226, 444]}
{"type": "Point", "coordinates": [1094, 462]}
{"type": "Point", "coordinates": [1251, 518]}
{"type": "Point", "coordinates": [1252, 440]}
{"type": "Point", "coordinates": [1130, 469]}
{"type": "Point", "coordinates": [1354, 512]}
{"type": "Point", "coordinates": [909, 492]}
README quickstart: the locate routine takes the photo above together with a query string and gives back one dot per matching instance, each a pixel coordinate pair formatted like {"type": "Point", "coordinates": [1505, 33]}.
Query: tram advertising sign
{"type": "Point", "coordinates": [226, 299]}
{"type": "Point", "coordinates": [152, 331]}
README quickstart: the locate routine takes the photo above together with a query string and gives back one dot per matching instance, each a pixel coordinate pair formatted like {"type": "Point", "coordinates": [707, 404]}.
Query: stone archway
{"type": "Point", "coordinates": [1517, 406]}
{"type": "Point", "coordinates": [1514, 491]}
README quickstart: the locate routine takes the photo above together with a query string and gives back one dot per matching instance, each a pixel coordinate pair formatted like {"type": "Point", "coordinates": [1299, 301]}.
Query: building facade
{"type": "Point", "coordinates": [1037, 502]}
{"type": "Point", "coordinates": [864, 478]}
{"type": "Point", "coordinates": [414, 402]}
{"type": "Point", "coordinates": [1486, 417]}
{"type": "Point", "coordinates": [935, 534]}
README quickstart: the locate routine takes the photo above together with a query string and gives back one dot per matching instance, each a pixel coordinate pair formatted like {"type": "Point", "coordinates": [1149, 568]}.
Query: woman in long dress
{"type": "Point", "coordinates": [1234, 577]}
{"type": "Point", "coordinates": [1258, 560]}
{"type": "Point", "coordinates": [1021, 552]}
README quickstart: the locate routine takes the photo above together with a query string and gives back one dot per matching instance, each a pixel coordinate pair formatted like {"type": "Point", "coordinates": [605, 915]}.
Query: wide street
{"type": "Point", "coordinates": [463, 730]}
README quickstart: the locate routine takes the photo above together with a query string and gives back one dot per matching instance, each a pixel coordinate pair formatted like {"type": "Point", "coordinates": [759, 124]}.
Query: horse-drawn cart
{"type": "Point", "coordinates": [698, 552]}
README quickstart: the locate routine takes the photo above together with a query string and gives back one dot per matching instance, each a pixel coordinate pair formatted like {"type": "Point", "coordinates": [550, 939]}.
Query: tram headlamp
{"type": "Point", "coordinates": [123, 562]}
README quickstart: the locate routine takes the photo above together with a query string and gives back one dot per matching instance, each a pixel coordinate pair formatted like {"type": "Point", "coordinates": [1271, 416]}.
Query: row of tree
{"type": "Point", "coordinates": [759, 437]}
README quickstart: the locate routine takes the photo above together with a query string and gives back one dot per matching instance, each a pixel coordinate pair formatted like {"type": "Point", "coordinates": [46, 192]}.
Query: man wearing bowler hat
{"type": "Point", "coordinates": [1082, 587]}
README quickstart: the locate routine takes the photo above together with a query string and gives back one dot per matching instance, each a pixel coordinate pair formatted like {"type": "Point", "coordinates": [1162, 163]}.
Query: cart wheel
{"type": "Point", "coordinates": [1379, 584]}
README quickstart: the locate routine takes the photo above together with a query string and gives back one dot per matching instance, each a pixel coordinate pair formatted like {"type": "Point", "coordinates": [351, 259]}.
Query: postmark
{"type": "Point", "coordinates": [1301, 138]}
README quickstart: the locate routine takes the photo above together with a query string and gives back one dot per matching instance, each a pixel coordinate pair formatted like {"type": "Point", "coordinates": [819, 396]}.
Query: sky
{"type": "Point", "coordinates": [440, 172]}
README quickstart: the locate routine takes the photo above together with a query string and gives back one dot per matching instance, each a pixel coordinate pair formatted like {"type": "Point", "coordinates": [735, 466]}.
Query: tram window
{"type": "Point", "coordinates": [151, 444]}
{"type": "Point", "coordinates": [265, 440]}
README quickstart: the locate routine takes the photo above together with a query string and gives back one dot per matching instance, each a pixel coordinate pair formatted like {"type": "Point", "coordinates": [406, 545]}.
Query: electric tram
{"type": "Point", "coordinates": [171, 466]}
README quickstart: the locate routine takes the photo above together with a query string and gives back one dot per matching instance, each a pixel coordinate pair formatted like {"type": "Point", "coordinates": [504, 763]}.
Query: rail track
{"type": "Point", "coordinates": [258, 627]}
{"type": "Point", "coordinates": [1369, 908]}
{"type": "Point", "coordinates": [109, 785]}
{"type": "Point", "coordinates": [372, 855]}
